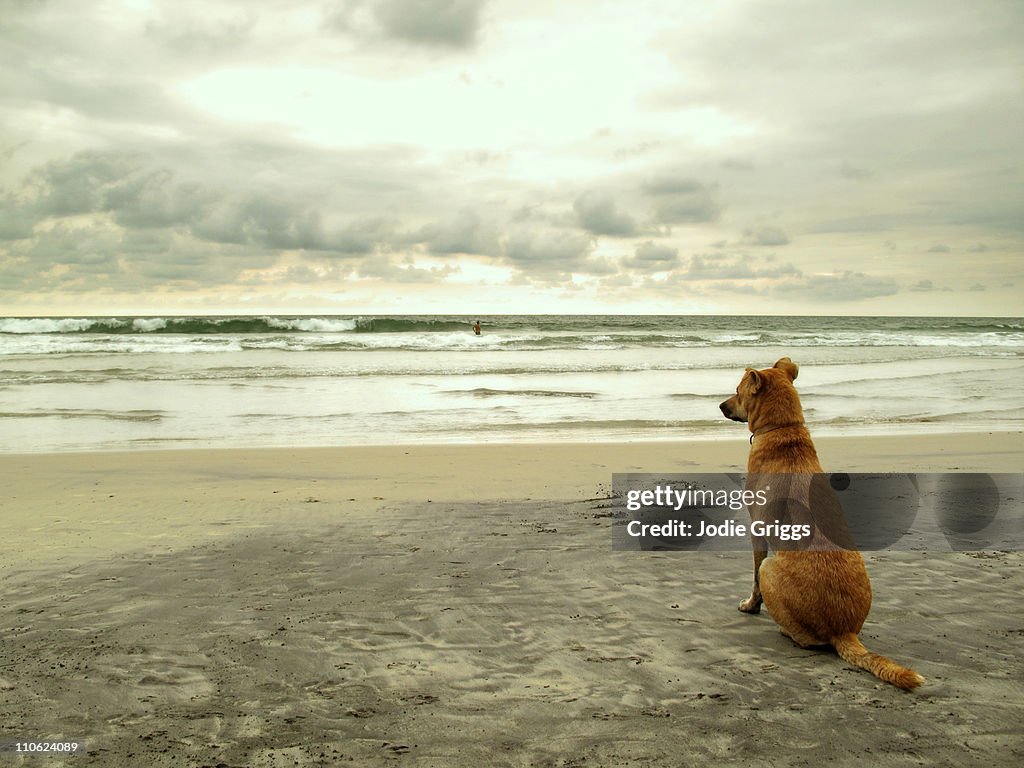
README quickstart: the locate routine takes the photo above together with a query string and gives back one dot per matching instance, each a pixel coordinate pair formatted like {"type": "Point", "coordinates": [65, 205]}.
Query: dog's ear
{"type": "Point", "coordinates": [788, 367]}
{"type": "Point", "coordinates": [755, 379]}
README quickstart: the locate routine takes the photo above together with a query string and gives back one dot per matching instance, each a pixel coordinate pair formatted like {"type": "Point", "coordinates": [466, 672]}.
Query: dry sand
{"type": "Point", "coordinates": [460, 606]}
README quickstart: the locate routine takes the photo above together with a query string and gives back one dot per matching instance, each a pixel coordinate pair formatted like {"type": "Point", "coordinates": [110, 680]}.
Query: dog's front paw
{"type": "Point", "coordinates": [750, 605]}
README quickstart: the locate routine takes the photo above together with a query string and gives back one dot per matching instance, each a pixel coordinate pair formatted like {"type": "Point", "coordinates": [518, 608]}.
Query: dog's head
{"type": "Point", "coordinates": [762, 396]}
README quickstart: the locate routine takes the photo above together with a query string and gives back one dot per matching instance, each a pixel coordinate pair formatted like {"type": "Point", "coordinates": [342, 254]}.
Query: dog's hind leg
{"type": "Point", "coordinates": [776, 597]}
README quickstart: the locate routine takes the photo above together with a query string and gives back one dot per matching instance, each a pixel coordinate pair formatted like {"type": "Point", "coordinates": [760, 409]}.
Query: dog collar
{"type": "Point", "coordinates": [757, 432]}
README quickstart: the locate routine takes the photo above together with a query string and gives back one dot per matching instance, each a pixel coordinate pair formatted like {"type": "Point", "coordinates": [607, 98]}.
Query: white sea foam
{"type": "Point", "coordinates": [119, 344]}
{"type": "Point", "coordinates": [44, 324]}
{"type": "Point", "coordinates": [149, 324]}
{"type": "Point", "coordinates": [312, 324]}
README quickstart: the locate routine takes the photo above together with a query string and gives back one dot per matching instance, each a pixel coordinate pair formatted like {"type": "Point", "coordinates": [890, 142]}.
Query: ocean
{"type": "Point", "coordinates": [117, 383]}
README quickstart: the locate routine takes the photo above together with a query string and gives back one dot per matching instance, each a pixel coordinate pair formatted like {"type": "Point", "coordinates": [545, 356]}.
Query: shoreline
{"type": "Point", "coordinates": [820, 433]}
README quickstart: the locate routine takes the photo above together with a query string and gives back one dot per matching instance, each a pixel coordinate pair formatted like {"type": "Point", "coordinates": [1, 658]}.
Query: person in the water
{"type": "Point", "coordinates": [476, 328]}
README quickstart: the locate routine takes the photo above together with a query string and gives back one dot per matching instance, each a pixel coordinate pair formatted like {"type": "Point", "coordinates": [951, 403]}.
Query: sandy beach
{"type": "Point", "coordinates": [461, 606]}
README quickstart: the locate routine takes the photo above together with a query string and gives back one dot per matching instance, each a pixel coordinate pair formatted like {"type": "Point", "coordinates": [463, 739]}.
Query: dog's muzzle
{"type": "Point", "coordinates": [729, 414]}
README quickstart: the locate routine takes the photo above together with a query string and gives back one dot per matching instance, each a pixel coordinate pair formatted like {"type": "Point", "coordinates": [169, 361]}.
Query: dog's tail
{"type": "Point", "coordinates": [851, 649]}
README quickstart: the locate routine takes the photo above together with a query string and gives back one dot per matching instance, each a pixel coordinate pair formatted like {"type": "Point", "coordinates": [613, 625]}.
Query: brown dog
{"type": "Point", "coordinates": [817, 596]}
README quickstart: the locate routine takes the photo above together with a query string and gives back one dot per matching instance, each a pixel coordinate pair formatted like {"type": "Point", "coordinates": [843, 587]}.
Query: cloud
{"type": "Point", "coordinates": [552, 254]}
{"type": "Point", "coordinates": [868, 222]}
{"type": "Point", "coordinates": [93, 255]}
{"type": "Point", "coordinates": [15, 222]}
{"type": "Point", "coordinates": [765, 235]}
{"type": "Point", "coordinates": [598, 214]}
{"type": "Point", "coordinates": [701, 268]}
{"type": "Point", "coordinates": [182, 146]}
{"type": "Point", "coordinates": [63, 256]}
{"type": "Point", "coordinates": [682, 200]}
{"type": "Point", "coordinates": [713, 267]}
{"type": "Point", "coordinates": [125, 220]}
{"type": "Point", "coordinates": [363, 235]}
{"type": "Point", "coordinates": [926, 286]}
{"type": "Point", "coordinates": [650, 257]}
{"type": "Point", "coordinates": [151, 198]}
{"type": "Point", "coordinates": [834, 63]}
{"type": "Point", "coordinates": [81, 183]}
{"type": "Point", "coordinates": [615, 282]}
{"type": "Point", "coordinates": [136, 192]}
{"type": "Point", "coordinates": [845, 286]}
{"type": "Point", "coordinates": [564, 248]}
{"type": "Point", "coordinates": [407, 272]}
{"type": "Point", "coordinates": [853, 172]}
{"type": "Point", "coordinates": [141, 194]}
{"type": "Point", "coordinates": [637, 149]}
{"type": "Point", "coordinates": [217, 32]}
{"type": "Point", "coordinates": [441, 24]}
{"type": "Point", "coordinates": [737, 164]}
{"type": "Point", "coordinates": [837, 97]}
{"type": "Point", "coordinates": [465, 233]}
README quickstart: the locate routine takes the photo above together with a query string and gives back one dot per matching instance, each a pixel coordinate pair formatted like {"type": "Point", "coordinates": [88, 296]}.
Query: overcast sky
{"type": "Point", "coordinates": [485, 156]}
